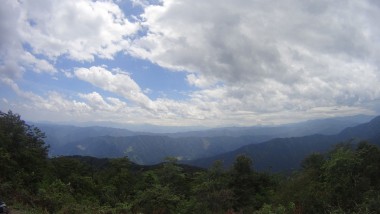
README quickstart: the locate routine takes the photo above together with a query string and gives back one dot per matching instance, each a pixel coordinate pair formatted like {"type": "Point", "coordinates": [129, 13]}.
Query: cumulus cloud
{"type": "Point", "coordinates": [56, 106]}
{"type": "Point", "coordinates": [98, 103]}
{"type": "Point", "coordinates": [80, 29]}
{"type": "Point", "coordinates": [120, 83]}
{"type": "Point", "coordinates": [268, 56]}
{"type": "Point", "coordinates": [38, 65]}
{"type": "Point", "coordinates": [52, 101]}
{"type": "Point", "coordinates": [115, 81]}
{"type": "Point", "coordinates": [95, 100]}
{"type": "Point", "coordinates": [14, 58]}
{"type": "Point", "coordinates": [249, 61]}
{"type": "Point", "coordinates": [141, 3]}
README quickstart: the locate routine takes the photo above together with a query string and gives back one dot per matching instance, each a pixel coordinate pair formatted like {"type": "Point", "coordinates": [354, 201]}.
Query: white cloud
{"type": "Point", "coordinates": [13, 58]}
{"type": "Point", "coordinates": [115, 81]}
{"type": "Point", "coordinates": [79, 29]}
{"type": "Point", "coordinates": [51, 101]}
{"type": "Point", "coordinates": [268, 56]}
{"type": "Point", "coordinates": [205, 108]}
{"type": "Point", "coordinates": [121, 84]}
{"type": "Point", "coordinates": [252, 61]}
{"type": "Point", "coordinates": [37, 65]}
{"type": "Point", "coordinates": [68, 74]}
{"type": "Point", "coordinates": [54, 106]}
{"type": "Point", "coordinates": [97, 103]}
{"type": "Point", "coordinates": [199, 80]}
{"type": "Point", "coordinates": [141, 3]}
{"type": "Point", "coordinates": [95, 99]}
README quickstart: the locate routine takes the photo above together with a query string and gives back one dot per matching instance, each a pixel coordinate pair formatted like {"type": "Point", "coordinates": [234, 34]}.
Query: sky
{"type": "Point", "coordinates": [189, 62]}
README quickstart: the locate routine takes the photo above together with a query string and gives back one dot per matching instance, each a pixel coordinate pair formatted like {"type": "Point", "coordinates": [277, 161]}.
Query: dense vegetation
{"type": "Point", "coordinates": [345, 180]}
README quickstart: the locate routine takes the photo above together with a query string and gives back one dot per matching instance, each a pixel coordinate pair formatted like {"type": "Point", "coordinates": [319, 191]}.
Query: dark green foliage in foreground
{"type": "Point", "coordinates": [23, 155]}
{"type": "Point", "coordinates": [346, 180]}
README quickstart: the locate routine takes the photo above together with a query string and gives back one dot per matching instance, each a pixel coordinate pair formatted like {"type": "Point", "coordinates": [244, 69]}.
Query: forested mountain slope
{"type": "Point", "coordinates": [326, 126]}
{"type": "Point", "coordinates": [151, 148]}
{"type": "Point", "coordinates": [145, 149]}
{"type": "Point", "coordinates": [285, 154]}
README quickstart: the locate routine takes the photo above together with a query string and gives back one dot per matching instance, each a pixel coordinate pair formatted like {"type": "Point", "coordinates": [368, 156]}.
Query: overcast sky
{"type": "Point", "coordinates": [189, 62]}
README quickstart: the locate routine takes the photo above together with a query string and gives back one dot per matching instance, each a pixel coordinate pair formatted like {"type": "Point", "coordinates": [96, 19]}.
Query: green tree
{"type": "Point", "coordinates": [369, 157]}
{"type": "Point", "coordinates": [212, 191]}
{"type": "Point", "coordinates": [343, 181]}
{"type": "Point", "coordinates": [115, 181]}
{"type": "Point", "coordinates": [157, 199]}
{"type": "Point", "coordinates": [54, 196]}
{"type": "Point", "coordinates": [242, 183]}
{"type": "Point", "coordinates": [341, 173]}
{"type": "Point", "coordinates": [23, 153]}
{"type": "Point", "coordinates": [173, 176]}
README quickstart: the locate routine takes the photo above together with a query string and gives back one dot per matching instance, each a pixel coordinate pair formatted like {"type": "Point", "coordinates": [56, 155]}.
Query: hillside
{"type": "Point", "coordinates": [145, 149]}
{"type": "Point", "coordinates": [285, 154]}
{"type": "Point", "coordinates": [63, 134]}
{"type": "Point", "coordinates": [326, 126]}
{"type": "Point", "coordinates": [152, 148]}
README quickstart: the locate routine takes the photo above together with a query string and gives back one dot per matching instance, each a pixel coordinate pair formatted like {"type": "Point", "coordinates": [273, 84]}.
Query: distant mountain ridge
{"type": "Point", "coordinates": [59, 135]}
{"type": "Point", "coordinates": [285, 154]}
{"type": "Point", "coordinates": [326, 126]}
{"type": "Point", "coordinates": [152, 148]}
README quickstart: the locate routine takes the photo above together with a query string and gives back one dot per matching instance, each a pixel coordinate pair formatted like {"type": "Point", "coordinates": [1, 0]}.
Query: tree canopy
{"type": "Point", "coordinates": [345, 180]}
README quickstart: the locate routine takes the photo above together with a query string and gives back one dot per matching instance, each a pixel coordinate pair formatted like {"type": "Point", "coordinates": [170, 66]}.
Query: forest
{"type": "Point", "coordinates": [343, 180]}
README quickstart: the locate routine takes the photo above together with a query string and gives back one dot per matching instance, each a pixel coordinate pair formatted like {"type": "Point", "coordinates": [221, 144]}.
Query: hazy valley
{"type": "Point", "coordinates": [277, 148]}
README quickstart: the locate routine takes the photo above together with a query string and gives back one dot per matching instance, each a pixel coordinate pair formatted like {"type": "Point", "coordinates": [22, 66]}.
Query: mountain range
{"type": "Point", "coordinates": [286, 154]}
{"type": "Point", "coordinates": [274, 148]}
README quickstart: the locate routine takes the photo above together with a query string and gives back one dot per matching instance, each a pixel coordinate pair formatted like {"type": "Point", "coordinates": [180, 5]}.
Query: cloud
{"type": "Point", "coordinates": [37, 65]}
{"type": "Point", "coordinates": [268, 56]}
{"type": "Point", "coordinates": [199, 80]}
{"type": "Point", "coordinates": [52, 101]}
{"type": "Point", "coordinates": [115, 81]}
{"type": "Point", "coordinates": [55, 106]}
{"type": "Point", "coordinates": [68, 74]}
{"type": "Point", "coordinates": [95, 100]}
{"type": "Point", "coordinates": [34, 34]}
{"type": "Point", "coordinates": [121, 84]}
{"type": "Point", "coordinates": [204, 108]}
{"type": "Point", "coordinates": [80, 29]}
{"type": "Point", "coordinates": [141, 3]}
{"type": "Point", "coordinates": [249, 61]}
{"type": "Point", "coordinates": [14, 59]}
{"type": "Point", "coordinates": [97, 103]}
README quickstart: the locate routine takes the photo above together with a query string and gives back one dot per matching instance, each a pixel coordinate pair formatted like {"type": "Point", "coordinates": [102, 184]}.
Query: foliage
{"type": "Point", "coordinates": [345, 180]}
{"type": "Point", "coordinates": [23, 154]}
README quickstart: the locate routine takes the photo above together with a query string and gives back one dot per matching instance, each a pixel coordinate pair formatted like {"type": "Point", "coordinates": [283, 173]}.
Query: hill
{"type": "Point", "coordinates": [151, 148]}
{"type": "Point", "coordinates": [326, 126]}
{"type": "Point", "coordinates": [285, 154]}
{"type": "Point", "coordinates": [145, 149]}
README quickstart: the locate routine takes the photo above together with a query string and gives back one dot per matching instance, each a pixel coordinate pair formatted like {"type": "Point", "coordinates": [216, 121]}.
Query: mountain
{"type": "Point", "coordinates": [59, 135]}
{"type": "Point", "coordinates": [326, 126]}
{"type": "Point", "coordinates": [368, 130]}
{"type": "Point", "coordinates": [149, 149]}
{"type": "Point", "coordinates": [285, 154]}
